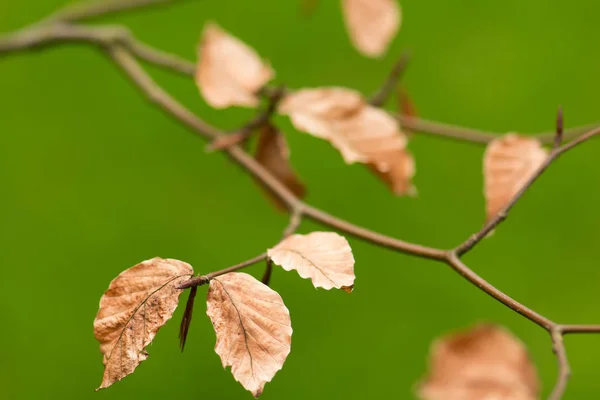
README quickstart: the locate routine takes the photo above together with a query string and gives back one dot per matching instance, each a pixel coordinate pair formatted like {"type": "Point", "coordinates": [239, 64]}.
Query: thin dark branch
{"type": "Point", "coordinates": [204, 279]}
{"type": "Point", "coordinates": [383, 94]}
{"type": "Point", "coordinates": [266, 278]}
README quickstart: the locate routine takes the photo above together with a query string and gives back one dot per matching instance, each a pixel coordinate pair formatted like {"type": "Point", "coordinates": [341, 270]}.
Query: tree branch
{"type": "Point", "coordinates": [383, 94]}
{"type": "Point", "coordinates": [94, 9]}
{"type": "Point", "coordinates": [124, 48]}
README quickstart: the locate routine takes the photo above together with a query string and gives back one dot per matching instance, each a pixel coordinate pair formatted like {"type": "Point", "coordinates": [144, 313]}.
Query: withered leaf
{"type": "Point", "coordinates": [253, 328]}
{"type": "Point", "coordinates": [372, 24]}
{"type": "Point", "coordinates": [229, 73]}
{"type": "Point", "coordinates": [136, 305]}
{"type": "Point", "coordinates": [313, 110]}
{"type": "Point", "coordinates": [399, 176]}
{"type": "Point", "coordinates": [272, 152]}
{"type": "Point", "coordinates": [324, 257]}
{"type": "Point", "coordinates": [485, 362]}
{"type": "Point", "coordinates": [360, 132]}
{"type": "Point", "coordinates": [508, 163]}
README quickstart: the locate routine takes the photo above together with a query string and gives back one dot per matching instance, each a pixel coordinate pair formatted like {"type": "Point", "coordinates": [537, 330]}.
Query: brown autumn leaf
{"type": "Point", "coordinates": [253, 328]}
{"type": "Point", "coordinates": [362, 133]}
{"type": "Point", "coordinates": [399, 176]}
{"type": "Point", "coordinates": [229, 73]}
{"type": "Point", "coordinates": [485, 362]}
{"type": "Point", "coordinates": [372, 24]}
{"type": "Point", "coordinates": [508, 163]}
{"type": "Point", "coordinates": [324, 257]}
{"type": "Point", "coordinates": [136, 305]}
{"type": "Point", "coordinates": [272, 152]}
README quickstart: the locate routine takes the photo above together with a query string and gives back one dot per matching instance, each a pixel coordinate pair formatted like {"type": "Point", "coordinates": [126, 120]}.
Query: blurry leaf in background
{"type": "Point", "coordinates": [272, 152]}
{"type": "Point", "coordinates": [324, 257]}
{"type": "Point", "coordinates": [253, 328]}
{"type": "Point", "coordinates": [484, 362]}
{"type": "Point", "coordinates": [372, 24]}
{"type": "Point", "coordinates": [508, 164]}
{"type": "Point", "coordinates": [229, 73]}
{"type": "Point", "coordinates": [136, 305]}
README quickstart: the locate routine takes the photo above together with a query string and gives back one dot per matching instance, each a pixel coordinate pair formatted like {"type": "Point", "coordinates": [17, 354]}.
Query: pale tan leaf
{"type": "Point", "coordinates": [372, 24]}
{"type": "Point", "coordinates": [324, 257]}
{"type": "Point", "coordinates": [229, 73]}
{"type": "Point", "coordinates": [360, 132]}
{"type": "Point", "coordinates": [508, 163]}
{"type": "Point", "coordinates": [272, 153]}
{"type": "Point", "coordinates": [253, 328]}
{"type": "Point", "coordinates": [399, 176]}
{"type": "Point", "coordinates": [313, 110]}
{"type": "Point", "coordinates": [485, 362]}
{"type": "Point", "coordinates": [136, 305]}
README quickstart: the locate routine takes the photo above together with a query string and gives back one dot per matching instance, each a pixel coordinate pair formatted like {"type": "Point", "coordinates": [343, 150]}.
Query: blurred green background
{"type": "Point", "coordinates": [94, 180]}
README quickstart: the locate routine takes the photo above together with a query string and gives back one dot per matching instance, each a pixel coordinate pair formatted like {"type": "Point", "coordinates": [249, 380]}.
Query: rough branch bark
{"type": "Point", "coordinates": [125, 50]}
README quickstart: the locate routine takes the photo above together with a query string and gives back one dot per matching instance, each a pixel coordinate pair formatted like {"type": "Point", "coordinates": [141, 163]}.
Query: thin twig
{"type": "Point", "coordinates": [204, 279]}
{"type": "Point", "coordinates": [383, 94]}
{"type": "Point", "coordinates": [564, 369]}
{"type": "Point", "coordinates": [94, 9]}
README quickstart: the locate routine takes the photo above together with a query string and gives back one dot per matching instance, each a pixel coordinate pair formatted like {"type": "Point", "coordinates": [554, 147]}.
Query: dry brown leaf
{"type": "Point", "coordinates": [372, 24]}
{"type": "Point", "coordinates": [136, 305]}
{"type": "Point", "coordinates": [360, 132]}
{"type": "Point", "coordinates": [229, 73]}
{"type": "Point", "coordinates": [272, 152]}
{"type": "Point", "coordinates": [508, 163]}
{"type": "Point", "coordinates": [253, 328]}
{"type": "Point", "coordinates": [399, 177]}
{"type": "Point", "coordinates": [485, 362]}
{"type": "Point", "coordinates": [324, 257]}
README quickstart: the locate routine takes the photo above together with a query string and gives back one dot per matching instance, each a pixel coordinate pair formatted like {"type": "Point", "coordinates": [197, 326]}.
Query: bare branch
{"type": "Point", "coordinates": [100, 8]}
{"type": "Point", "coordinates": [501, 216]}
{"type": "Point", "coordinates": [383, 94]}
{"type": "Point", "coordinates": [564, 370]}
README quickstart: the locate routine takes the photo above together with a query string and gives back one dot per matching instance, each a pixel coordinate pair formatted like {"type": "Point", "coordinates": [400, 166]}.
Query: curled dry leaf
{"type": "Point", "coordinates": [508, 163]}
{"type": "Point", "coordinates": [486, 362]}
{"type": "Point", "coordinates": [253, 328]}
{"type": "Point", "coordinates": [229, 73]}
{"type": "Point", "coordinates": [360, 132]}
{"type": "Point", "coordinates": [272, 152]}
{"type": "Point", "coordinates": [314, 110]}
{"type": "Point", "coordinates": [399, 176]}
{"type": "Point", "coordinates": [136, 305]}
{"type": "Point", "coordinates": [372, 24]}
{"type": "Point", "coordinates": [324, 257]}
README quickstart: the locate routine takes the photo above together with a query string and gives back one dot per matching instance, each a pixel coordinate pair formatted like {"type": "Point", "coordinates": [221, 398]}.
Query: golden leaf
{"type": "Point", "coordinates": [136, 305]}
{"type": "Point", "coordinates": [253, 328]}
{"type": "Point", "coordinates": [324, 257]}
